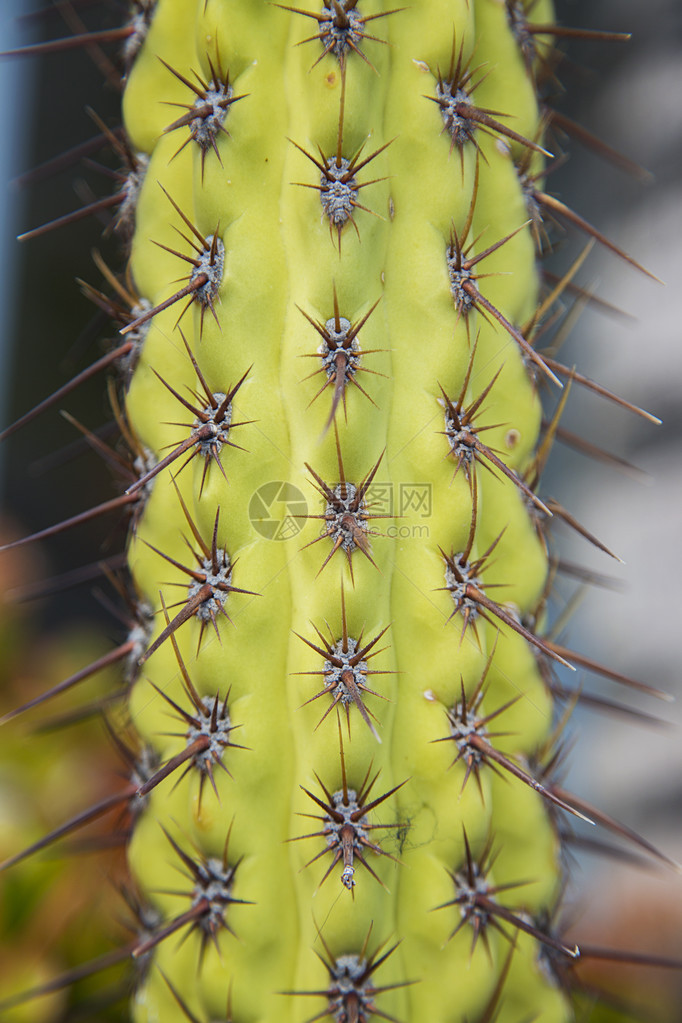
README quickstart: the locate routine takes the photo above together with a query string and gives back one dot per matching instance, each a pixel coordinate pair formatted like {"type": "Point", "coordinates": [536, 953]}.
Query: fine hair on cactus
{"type": "Point", "coordinates": [336, 269]}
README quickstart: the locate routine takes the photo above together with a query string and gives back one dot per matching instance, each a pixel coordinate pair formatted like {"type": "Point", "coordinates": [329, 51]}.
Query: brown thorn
{"type": "Point", "coordinates": [560, 208]}
{"type": "Point", "coordinates": [65, 389]}
{"type": "Point", "coordinates": [600, 669]}
{"type": "Point", "coordinates": [189, 289]}
{"type": "Point", "coordinates": [584, 381]}
{"type": "Point", "coordinates": [103, 662]}
{"type": "Point", "coordinates": [71, 42]}
{"type": "Point", "coordinates": [80, 820]}
{"type": "Point", "coordinates": [560, 512]}
{"type": "Point", "coordinates": [591, 141]}
{"type": "Point", "coordinates": [70, 218]}
{"type": "Point", "coordinates": [562, 31]}
{"type": "Point", "coordinates": [103, 962]}
{"type": "Point", "coordinates": [75, 520]}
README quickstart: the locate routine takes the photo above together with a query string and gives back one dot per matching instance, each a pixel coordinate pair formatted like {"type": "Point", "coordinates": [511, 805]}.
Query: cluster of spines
{"type": "Point", "coordinates": [351, 986]}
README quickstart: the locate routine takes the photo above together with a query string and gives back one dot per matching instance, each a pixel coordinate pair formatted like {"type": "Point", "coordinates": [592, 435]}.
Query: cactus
{"type": "Point", "coordinates": [340, 665]}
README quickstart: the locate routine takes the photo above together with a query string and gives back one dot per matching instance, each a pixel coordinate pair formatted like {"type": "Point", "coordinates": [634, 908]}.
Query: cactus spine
{"type": "Point", "coordinates": [335, 256]}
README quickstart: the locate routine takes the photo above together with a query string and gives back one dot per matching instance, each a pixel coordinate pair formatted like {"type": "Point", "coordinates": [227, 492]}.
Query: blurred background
{"type": "Point", "coordinates": [627, 94]}
{"type": "Point", "coordinates": [62, 908]}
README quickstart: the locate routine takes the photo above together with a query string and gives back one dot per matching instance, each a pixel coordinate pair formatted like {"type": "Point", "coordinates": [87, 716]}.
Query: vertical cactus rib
{"type": "Point", "coordinates": [340, 617]}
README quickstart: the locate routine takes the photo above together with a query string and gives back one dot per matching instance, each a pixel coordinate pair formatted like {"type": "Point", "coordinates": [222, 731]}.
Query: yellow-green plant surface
{"type": "Point", "coordinates": [281, 938]}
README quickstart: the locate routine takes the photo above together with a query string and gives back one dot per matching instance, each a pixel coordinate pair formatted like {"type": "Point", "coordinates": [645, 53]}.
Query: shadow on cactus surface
{"type": "Point", "coordinates": [334, 279]}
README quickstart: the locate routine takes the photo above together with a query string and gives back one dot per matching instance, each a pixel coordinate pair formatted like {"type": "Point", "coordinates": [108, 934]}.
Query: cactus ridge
{"type": "Point", "coordinates": [378, 684]}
